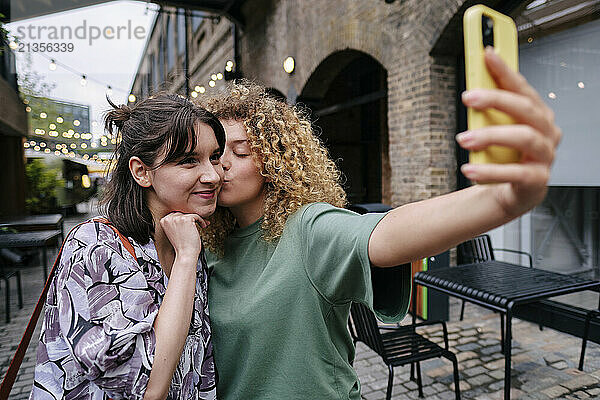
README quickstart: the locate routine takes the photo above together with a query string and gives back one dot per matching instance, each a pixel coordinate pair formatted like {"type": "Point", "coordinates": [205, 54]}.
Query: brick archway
{"type": "Point", "coordinates": [347, 94]}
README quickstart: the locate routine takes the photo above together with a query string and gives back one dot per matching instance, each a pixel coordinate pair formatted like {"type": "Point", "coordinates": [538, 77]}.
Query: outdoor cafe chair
{"type": "Point", "coordinates": [479, 249]}
{"type": "Point", "coordinates": [400, 345]}
{"type": "Point", "coordinates": [7, 261]}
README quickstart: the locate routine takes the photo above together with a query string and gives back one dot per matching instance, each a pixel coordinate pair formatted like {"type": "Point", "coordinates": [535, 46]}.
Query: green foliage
{"type": "Point", "coordinates": [42, 183]}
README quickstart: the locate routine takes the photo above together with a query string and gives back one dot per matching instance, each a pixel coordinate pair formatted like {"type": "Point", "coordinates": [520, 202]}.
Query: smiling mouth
{"type": "Point", "coordinates": [207, 194]}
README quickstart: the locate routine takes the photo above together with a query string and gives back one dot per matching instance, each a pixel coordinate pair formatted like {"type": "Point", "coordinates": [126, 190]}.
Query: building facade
{"type": "Point", "coordinates": [383, 82]}
{"type": "Point", "coordinates": [13, 129]}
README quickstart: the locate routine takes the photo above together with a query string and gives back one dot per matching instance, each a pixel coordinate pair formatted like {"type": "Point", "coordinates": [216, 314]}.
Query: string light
{"type": "Point", "coordinates": [109, 91]}
{"type": "Point", "coordinates": [131, 98]}
{"type": "Point", "coordinates": [83, 80]}
{"type": "Point", "coordinates": [219, 76]}
{"type": "Point", "coordinates": [13, 45]}
{"type": "Point", "coordinates": [211, 83]}
{"type": "Point", "coordinates": [76, 122]}
{"type": "Point", "coordinates": [43, 115]}
{"type": "Point", "coordinates": [52, 65]}
{"type": "Point", "coordinates": [59, 120]}
{"type": "Point", "coordinates": [202, 89]}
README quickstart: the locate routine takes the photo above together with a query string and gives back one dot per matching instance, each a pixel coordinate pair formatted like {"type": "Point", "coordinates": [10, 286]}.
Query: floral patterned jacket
{"type": "Point", "coordinates": [97, 339]}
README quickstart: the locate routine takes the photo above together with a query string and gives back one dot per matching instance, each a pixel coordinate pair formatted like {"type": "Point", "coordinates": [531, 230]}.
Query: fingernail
{"type": "Point", "coordinates": [469, 95]}
{"type": "Point", "coordinates": [464, 136]}
{"type": "Point", "coordinates": [471, 98]}
{"type": "Point", "coordinates": [467, 169]}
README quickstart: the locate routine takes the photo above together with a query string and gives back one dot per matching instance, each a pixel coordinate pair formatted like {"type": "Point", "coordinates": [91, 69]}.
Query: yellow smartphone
{"type": "Point", "coordinates": [485, 27]}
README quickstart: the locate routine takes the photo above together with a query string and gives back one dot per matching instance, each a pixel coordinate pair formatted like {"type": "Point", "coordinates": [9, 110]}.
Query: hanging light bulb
{"type": "Point", "coordinates": [83, 80]}
{"type": "Point", "coordinates": [59, 120]}
{"type": "Point", "coordinates": [211, 83]}
{"type": "Point", "coordinates": [202, 89]}
{"type": "Point", "coordinates": [52, 65]}
{"type": "Point", "coordinates": [13, 45]}
{"type": "Point", "coordinates": [109, 91]}
{"type": "Point", "coordinates": [131, 98]}
{"type": "Point", "coordinates": [219, 76]}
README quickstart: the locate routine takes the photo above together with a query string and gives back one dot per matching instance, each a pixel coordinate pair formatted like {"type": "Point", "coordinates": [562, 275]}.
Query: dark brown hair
{"type": "Point", "coordinates": [161, 124]}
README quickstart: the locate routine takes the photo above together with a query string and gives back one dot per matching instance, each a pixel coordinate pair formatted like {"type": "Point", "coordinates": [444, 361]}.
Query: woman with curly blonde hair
{"type": "Point", "coordinates": [287, 261]}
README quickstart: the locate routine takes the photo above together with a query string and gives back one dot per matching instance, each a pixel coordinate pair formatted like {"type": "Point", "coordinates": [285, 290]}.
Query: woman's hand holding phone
{"type": "Point", "coordinates": [522, 185]}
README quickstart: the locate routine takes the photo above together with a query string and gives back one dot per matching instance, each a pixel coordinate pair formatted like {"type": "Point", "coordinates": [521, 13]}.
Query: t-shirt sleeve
{"type": "Point", "coordinates": [107, 311]}
{"type": "Point", "coordinates": [337, 261]}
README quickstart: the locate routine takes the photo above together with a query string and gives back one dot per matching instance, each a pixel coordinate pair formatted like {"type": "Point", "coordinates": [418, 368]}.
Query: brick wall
{"type": "Point", "coordinates": [400, 36]}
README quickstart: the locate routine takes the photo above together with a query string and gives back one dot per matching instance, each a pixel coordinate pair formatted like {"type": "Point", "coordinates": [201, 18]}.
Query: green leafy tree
{"type": "Point", "coordinates": [42, 183]}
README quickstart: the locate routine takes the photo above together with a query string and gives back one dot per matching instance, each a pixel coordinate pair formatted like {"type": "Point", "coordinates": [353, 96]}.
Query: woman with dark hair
{"type": "Point", "coordinates": [126, 315]}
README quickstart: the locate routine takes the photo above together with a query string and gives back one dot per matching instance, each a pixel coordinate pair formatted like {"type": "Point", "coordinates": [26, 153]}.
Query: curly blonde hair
{"type": "Point", "coordinates": [287, 153]}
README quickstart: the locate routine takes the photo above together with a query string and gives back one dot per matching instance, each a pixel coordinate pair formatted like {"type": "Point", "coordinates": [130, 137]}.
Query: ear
{"type": "Point", "coordinates": [140, 172]}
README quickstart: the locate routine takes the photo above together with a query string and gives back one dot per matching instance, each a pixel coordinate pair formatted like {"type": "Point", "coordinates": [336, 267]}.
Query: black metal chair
{"type": "Point", "coordinates": [7, 261]}
{"type": "Point", "coordinates": [400, 345]}
{"type": "Point", "coordinates": [480, 249]}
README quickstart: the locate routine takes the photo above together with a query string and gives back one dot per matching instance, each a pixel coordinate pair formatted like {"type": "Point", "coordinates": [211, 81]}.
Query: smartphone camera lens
{"type": "Point", "coordinates": [487, 30]}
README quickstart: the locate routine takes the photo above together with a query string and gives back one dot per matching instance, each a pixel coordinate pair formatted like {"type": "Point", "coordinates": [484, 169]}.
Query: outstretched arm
{"type": "Point", "coordinates": [431, 226]}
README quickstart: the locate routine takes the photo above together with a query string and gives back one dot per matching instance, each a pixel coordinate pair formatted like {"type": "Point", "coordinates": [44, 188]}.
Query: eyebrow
{"type": "Point", "coordinates": [239, 141]}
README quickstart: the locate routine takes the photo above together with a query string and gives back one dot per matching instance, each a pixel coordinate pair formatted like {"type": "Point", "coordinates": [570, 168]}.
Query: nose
{"type": "Point", "coordinates": [225, 162]}
{"type": "Point", "coordinates": [212, 175]}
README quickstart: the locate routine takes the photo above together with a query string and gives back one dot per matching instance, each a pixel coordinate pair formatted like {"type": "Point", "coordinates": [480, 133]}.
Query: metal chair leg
{"type": "Point", "coordinates": [586, 331]}
{"type": "Point", "coordinates": [419, 381]}
{"type": "Point", "coordinates": [19, 289]}
{"type": "Point", "coordinates": [412, 372]}
{"type": "Point", "coordinates": [7, 300]}
{"type": "Point", "coordinates": [452, 357]}
{"type": "Point", "coordinates": [388, 394]}
{"type": "Point", "coordinates": [462, 310]}
{"type": "Point", "coordinates": [507, 354]}
{"type": "Point", "coordinates": [502, 348]}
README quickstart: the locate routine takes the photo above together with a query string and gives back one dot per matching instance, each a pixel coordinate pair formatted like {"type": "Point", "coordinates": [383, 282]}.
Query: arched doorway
{"type": "Point", "coordinates": [347, 94]}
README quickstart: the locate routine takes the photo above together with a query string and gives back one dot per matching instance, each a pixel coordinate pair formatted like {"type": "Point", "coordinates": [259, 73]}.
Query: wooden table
{"type": "Point", "coordinates": [501, 286]}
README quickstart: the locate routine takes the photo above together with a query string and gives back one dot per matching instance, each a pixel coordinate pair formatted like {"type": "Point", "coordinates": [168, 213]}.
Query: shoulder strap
{"type": "Point", "coordinates": [126, 243]}
{"type": "Point", "coordinates": [15, 364]}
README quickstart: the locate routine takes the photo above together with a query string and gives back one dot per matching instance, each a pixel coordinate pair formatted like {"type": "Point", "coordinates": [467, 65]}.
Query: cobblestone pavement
{"type": "Point", "coordinates": [544, 362]}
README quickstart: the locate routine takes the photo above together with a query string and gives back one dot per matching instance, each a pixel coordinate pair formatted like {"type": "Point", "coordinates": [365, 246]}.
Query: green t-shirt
{"type": "Point", "coordinates": [279, 311]}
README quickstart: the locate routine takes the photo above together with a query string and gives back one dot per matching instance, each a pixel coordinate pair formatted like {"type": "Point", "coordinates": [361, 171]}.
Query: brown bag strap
{"type": "Point", "coordinates": [15, 364]}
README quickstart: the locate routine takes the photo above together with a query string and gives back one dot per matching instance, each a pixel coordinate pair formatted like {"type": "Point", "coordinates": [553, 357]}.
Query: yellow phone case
{"type": "Point", "coordinates": [477, 75]}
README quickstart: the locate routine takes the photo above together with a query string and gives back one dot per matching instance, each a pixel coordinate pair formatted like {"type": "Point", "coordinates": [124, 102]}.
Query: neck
{"type": "Point", "coordinates": [164, 248]}
{"type": "Point", "coordinates": [249, 213]}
